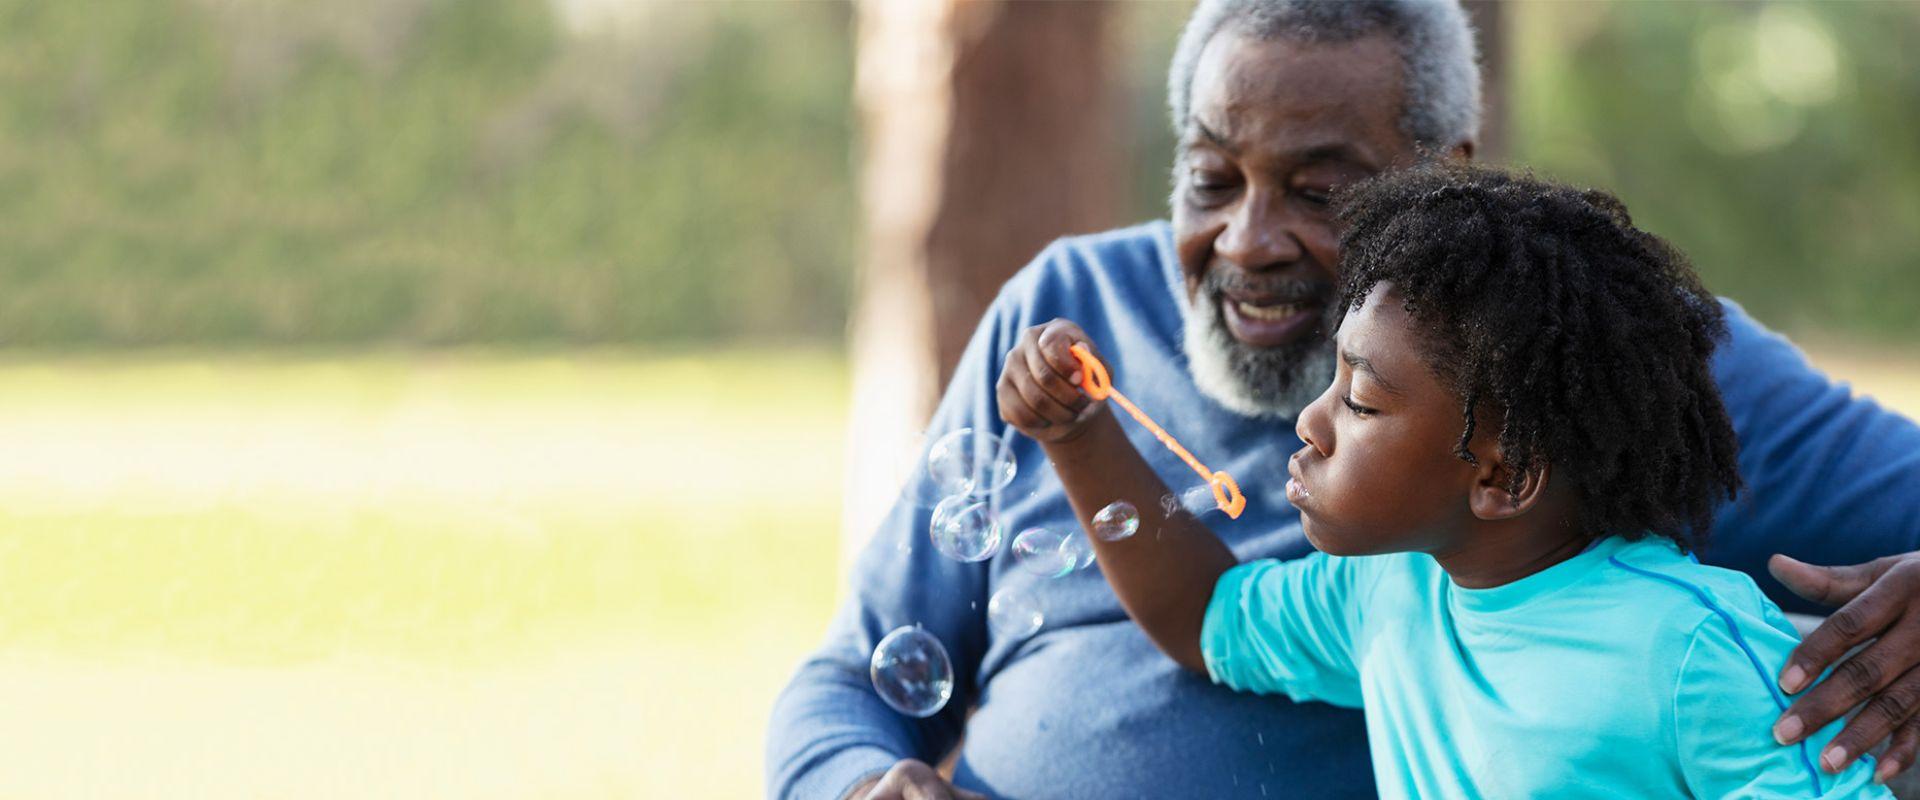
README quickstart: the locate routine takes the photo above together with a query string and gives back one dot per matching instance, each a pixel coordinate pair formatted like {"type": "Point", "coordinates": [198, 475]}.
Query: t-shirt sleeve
{"type": "Point", "coordinates": [1725, 704]}
{"type": "Point", "coordinates": [1288, 627]}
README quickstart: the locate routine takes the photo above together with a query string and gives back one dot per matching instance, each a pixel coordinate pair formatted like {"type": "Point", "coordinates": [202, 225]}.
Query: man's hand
{"type": "Point", "coordinates": [1039, 389]}
{"type": "Point", "coordinates": [1879, 603]}
{"type": "Point", "coordinates": [910, 779]}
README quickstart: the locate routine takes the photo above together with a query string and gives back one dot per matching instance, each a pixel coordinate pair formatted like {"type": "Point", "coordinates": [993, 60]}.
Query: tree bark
{"type": "Point", "coordinates": [989, 130]}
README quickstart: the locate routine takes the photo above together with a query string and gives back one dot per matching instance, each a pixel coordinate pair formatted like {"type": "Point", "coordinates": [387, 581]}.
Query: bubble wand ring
{"type": "Point", "coordinates": [1098, 384]}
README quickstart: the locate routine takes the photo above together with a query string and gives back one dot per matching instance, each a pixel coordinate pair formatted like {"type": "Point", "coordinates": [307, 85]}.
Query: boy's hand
{"type": "Point", "coordinates": [1039, 388]}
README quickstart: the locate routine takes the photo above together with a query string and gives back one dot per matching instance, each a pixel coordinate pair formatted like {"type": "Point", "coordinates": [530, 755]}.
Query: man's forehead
{"type": "Point", "coordinates": [1294, 98]}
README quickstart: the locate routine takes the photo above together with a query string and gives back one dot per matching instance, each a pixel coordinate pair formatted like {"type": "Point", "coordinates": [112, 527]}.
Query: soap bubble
{"type": "Point", "coordinates": [965, 529]}
{"type": "Point", "coordinates": [1170, 505]}
{"type": "Point", "coordinates": [1117, 521]}
{"type": "Point", "coordinates": [1043, 552]}
{"type": "Point", "coordinates": [1199, 500]}
{"type": "Point", "coordinates": [1081, 548]}
{"type": "Point", "coordinates": [966, 461]}
{"type": "Point", "coordinates": [1195, 501]}
{"type": "Point", "coordinates": [1014, 614]}
{"type": "Point", "coordinates": [911, 671]}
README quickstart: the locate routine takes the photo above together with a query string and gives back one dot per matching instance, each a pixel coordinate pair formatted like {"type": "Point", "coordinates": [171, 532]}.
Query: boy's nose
{"type": "Point", "coordinates": [1312, 426]}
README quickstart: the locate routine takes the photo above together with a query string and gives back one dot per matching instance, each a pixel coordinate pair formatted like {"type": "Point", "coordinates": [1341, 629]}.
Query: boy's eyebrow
{"type": "Point", "coordinates": [1362, 365]}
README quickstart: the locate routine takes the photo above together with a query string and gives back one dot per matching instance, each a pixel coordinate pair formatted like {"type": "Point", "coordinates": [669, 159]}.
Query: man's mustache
{"type": "Point", "coordinates": [1285, 290]}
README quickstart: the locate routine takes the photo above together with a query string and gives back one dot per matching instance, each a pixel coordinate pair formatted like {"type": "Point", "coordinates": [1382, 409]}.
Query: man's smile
{"type": "Point", "coordinates": [1272, 314]}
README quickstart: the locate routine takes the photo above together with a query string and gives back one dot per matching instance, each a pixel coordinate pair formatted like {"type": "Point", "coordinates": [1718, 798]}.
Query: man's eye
{"type": "Point", "coordinates": [1207, 183]}
{"type": "Point", "coordinates": [1357, 409]}
{"type": "Point", "coordinates": [1319, 197]}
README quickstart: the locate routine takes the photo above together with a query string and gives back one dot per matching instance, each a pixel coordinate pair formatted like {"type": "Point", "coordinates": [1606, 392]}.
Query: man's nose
{"type": "Point", "coordinates": [1258, 235]}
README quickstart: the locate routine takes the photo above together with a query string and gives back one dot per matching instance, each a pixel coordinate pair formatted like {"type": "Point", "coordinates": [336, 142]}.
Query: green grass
{"type": "Point", "coordinates": [536, 576]}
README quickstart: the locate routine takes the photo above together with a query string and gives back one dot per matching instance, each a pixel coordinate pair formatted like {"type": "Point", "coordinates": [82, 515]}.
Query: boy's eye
{"type": "Point", "coordinates": [1357, 409]}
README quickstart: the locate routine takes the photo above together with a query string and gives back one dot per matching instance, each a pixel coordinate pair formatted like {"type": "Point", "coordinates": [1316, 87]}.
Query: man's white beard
{"type": "Point", "coordinates": [1255, 381]}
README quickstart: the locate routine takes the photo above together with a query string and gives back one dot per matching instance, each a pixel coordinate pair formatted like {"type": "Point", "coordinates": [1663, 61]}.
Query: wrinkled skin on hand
{"type": "Point", "coordinates": [1879, 612]}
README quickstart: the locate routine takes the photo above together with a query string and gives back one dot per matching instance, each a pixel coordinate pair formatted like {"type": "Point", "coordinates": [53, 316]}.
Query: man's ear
{"type": "Point", "coordinates": [1492, 498]}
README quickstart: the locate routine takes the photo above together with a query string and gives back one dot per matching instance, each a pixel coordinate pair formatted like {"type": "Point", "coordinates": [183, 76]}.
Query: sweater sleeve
{"type": "Point", "coordinates": [1832, 478]}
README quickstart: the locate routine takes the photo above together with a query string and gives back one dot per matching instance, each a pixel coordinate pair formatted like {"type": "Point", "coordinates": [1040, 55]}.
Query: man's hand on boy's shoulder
{"type": "Point", "coordinates": [1879, 607]}
{"type": "Point", "coordinates": [1039, 389]}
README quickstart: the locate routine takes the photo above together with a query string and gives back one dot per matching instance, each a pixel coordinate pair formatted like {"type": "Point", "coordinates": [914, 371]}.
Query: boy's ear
{"type": "Point", "coordinates": [1491, 498]}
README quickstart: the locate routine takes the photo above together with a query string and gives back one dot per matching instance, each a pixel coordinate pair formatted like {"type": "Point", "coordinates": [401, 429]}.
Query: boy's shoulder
{"type": "Point", "coordinates": [1680, 602]}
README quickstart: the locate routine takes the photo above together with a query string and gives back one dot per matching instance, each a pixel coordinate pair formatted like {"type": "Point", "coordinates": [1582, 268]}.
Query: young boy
{"type": "Point", "coordinates": [1521, 444]}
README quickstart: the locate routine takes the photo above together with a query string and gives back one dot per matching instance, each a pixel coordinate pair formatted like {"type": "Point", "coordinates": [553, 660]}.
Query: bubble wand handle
{"type": "Point", "coordinates": [1098, 384]}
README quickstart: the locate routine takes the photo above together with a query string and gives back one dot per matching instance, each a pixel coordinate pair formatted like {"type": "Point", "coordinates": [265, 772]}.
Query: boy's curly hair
{"type": "Point", "coordinates": [1587, 337]}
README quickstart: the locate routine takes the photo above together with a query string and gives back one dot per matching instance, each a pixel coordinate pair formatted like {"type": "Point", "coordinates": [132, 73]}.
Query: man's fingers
{"type": "Point", "coordinates": [1870, 673]}
{"type": "Point", "coordinates": [1828, 586]}
{"type": "Point", "coordinates": [1884, 713]}
{"type": "Point", "coordinates": [1866, 616]}
{"type": "Point", "coordinates": [934, 790]}
{"type": "Point", "coordinates": [911, 780]}
{"type": "Point", "coordinates": [1900, 754]}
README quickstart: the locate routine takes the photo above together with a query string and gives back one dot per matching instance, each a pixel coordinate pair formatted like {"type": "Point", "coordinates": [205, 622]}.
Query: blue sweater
{"type": "Point", "coordinates": [1088, 707]}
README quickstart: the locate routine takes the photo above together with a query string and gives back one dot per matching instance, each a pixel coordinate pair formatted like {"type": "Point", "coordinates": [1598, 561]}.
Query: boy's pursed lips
{"type": "Point", "coordinates": [1296, 484]}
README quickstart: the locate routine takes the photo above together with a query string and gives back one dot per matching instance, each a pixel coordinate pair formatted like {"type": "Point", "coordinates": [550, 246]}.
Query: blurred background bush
{"type": "Point", "coordinates": [420, 172]}
{"type": "Point", "coordinates": [448, 397]}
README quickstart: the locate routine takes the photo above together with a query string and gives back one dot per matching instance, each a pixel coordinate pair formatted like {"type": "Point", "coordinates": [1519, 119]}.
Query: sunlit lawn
{"type": "Point", "coordinates": [392, 576]}
{"type": "Point", "coordinates": [465, 575]}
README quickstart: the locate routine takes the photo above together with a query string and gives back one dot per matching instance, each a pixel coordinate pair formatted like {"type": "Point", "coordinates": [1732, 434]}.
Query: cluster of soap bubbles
{"type": "Point", "coordinates": [966, 469]}
{"type": "Point", "coordinates": [961, 480]}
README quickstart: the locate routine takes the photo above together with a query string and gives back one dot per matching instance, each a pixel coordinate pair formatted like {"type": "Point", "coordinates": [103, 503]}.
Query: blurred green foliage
{"type": "Point", "coordinates": [1774, 143]}
{"type": "Point", "coordinates": [419, 171]}
{"type": "Point", "coordinates": [425, 172]}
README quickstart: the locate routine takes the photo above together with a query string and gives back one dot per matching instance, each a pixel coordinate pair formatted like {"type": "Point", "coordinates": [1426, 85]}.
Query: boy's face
{"type": "Point", "coordinates": [1377, 473]}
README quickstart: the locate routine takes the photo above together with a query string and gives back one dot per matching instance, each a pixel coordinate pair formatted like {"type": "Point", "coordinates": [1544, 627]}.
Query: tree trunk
{"type": "Point", "coordinates": [989, 130]}
{"type": "Point", "coordinates": [1489, 24]}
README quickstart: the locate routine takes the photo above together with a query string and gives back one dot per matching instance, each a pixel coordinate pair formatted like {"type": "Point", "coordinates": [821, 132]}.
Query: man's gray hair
{"type": "Point", "coordinates": [1441, 72]}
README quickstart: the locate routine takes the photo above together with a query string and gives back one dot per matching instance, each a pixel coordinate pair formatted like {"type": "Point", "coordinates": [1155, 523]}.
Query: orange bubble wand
{"type": "Point", "coordinates": [1098, 385]}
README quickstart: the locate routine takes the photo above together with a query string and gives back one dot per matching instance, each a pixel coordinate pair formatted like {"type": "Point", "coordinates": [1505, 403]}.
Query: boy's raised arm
{"type": "Point", "coordinates": [1165, 575]}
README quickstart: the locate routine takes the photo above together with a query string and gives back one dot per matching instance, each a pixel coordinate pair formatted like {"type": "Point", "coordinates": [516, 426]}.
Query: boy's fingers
{"type": "Point", "coordinates": [1057, 342]}
{"type": "Point", "coordinates": [1055, 385]}
{"type": "Point", "coordinates": [1040, 402]}
{"type": "Point", "coordinates": [1013, 407]}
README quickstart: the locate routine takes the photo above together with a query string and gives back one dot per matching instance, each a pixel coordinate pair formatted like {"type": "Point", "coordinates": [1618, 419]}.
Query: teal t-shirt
{"type": "Point", "coordinates": [1626, 671]}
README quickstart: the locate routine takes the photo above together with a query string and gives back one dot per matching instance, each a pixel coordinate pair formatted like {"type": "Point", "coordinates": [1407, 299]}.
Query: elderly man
{"type": "Point", "coordinates": [1212, 324]}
